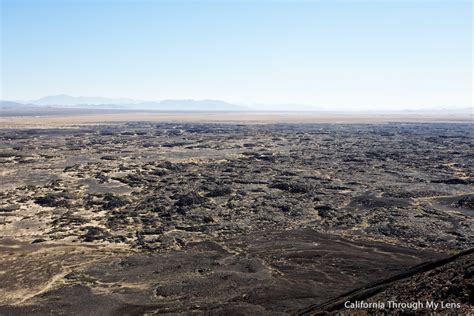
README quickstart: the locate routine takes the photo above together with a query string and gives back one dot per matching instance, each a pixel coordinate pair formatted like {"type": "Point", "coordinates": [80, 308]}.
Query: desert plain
{"type": "Point", "coordinates": [277, 214]}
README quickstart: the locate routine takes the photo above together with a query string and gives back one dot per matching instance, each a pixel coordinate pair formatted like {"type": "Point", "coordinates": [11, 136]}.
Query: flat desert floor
{"type": "Point", "coordinates": [41, 120]}
{"type": "Point", "coordinates": [221, 214]}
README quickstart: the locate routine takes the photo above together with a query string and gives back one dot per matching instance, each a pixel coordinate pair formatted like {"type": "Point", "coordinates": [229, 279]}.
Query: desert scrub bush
{"type": "Point", "coordinates": [57, 199]}
{"type": "Point", "coordinates": [219, 191]}
{"type": "Point", "coordinates": [8, 154]}
{"type": "Point", "coordinates": [9, 208]}
{"type": "Point", "coordinates": [111, 201]}
{"type": "Point", "coordinates": [95, 233]}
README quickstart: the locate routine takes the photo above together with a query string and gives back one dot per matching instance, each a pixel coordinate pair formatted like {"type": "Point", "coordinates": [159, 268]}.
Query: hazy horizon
{"type": "Point", "coordinates": [345, 55]}
{"type": "Point", "coordinates": [180, 105]}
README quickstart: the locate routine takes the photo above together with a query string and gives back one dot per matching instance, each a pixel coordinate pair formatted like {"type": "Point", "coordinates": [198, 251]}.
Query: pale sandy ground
{"type": "Point", "coordinates": [244, 117]}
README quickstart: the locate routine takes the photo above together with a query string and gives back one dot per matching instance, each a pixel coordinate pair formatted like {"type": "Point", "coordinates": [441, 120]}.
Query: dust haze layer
{"type": "Point", "coordinates": [54, 104]}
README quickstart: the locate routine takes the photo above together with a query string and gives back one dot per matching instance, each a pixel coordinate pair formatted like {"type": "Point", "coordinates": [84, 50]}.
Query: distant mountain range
{"type": "Point", "coordinates": [66, 101]}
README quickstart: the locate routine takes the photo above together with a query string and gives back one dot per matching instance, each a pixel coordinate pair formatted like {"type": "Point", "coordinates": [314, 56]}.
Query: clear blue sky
{"type": "Point", "coordinates": [338, 54]}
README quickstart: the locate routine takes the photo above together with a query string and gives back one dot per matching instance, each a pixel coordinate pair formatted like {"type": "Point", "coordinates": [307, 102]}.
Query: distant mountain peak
{"type": "Point", "coordinates": [67, 100]}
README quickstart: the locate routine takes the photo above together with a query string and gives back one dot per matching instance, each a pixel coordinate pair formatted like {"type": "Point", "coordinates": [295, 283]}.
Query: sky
{"type": "Point", "coordinates": [323, 54]}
